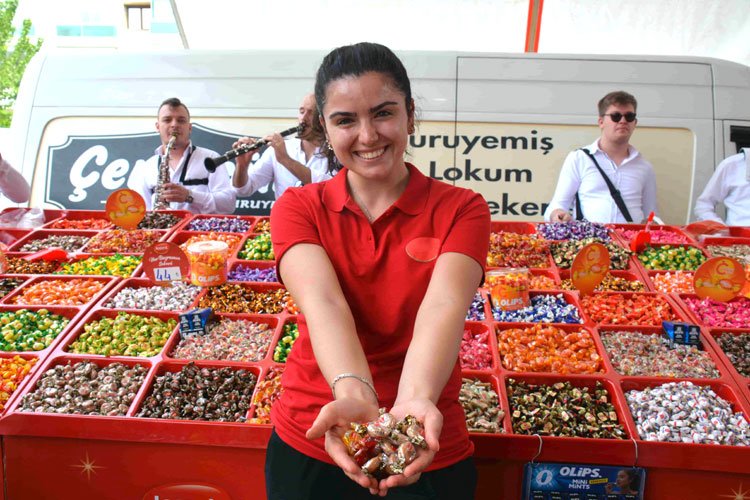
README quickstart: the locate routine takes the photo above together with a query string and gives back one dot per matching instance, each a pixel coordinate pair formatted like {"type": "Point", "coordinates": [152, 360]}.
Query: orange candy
{"type": "Point", "coordinates": [546, 348]}
{"type": "Point", "coordinates": [74, 292]}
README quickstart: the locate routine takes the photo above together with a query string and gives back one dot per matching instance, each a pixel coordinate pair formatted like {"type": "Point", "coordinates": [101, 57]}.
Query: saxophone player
{"type": "Point", "coordinates": [190, 186]}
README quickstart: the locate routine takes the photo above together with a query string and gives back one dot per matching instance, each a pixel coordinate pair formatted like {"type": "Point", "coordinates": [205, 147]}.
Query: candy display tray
{"type": "Point", "coordinates": [78, 215]}
{"type": "Point", "coordinates": [513, 227]}
{"type": "Point", "coordinates": [107, 281]}
{"type": "Point", "coordinates": [42, 234]}
{"type": "Point", "coordinates": [713, 334]}
{"type": "Point", "coordinates": [83, 256]}
{"type": "Point", "coordinates": [253, 264]}
{"type": "Point", "coordinates": [73, 314]}
{"type": "Point", "coordinates": [680, 299]}
{"type": "Point", "coordinates": [628, 274]}
{"type": "Point", "coordinates": [162, 236]}
{"type": "Point", "coordinates": [136, 283]}
{"type": "Point", "coordinates": [22, 385]}
{"type": "Point", "coordinates": [619, 228]}
{"type": "Point", "coordinates": [649, 277]}
{"type": "Point", "coordinates": [676, 310]}
{"type": "Point", "coordinates": [198, 217]}
{"type": "Point", "coordinates": [659, 245]}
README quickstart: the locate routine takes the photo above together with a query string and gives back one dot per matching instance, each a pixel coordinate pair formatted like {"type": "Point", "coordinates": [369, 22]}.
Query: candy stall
{"type": "Point", "coordinates": [122, 378]}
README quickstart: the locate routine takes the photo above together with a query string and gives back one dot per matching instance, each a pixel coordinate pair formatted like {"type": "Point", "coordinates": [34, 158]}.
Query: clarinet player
{"type": "Point", "coordinates": [190, 186]}
{"type": "Point", "coordinates": [286, 163]}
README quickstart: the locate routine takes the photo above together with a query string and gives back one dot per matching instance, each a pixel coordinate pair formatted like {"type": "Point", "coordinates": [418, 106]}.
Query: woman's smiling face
{"type": "Point", "coordinates": [367, 123]}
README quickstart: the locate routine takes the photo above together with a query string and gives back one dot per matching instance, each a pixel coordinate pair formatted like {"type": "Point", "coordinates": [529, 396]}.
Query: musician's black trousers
{"type": "Point", "coordinates": [291, 475]}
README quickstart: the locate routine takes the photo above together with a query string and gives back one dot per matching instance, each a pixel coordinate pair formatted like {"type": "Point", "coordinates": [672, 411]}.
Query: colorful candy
{"type": "Point", "coordinates": [732, 314]}
{"type": "Point", "coordinates": [573, 230]}
{"type": "Point", "coordinates": [125, 335]}
{"type": "Point", "coordinates": [269, 390]}
{"type": "Point", "coordinates": [562, 409]}
{"type": "Point", "coordinates": [258, 248]}
{"type": "Point", "coordinates": [517, 250]}
{"type": "Point", "coordinates": [636, 354]}
{"type": "Point", "coordinates": [611, 283]}
{"type": "Point", "coordinates": [475, 351]}
{"type": "Point", "coordinates": [737, 349]}
{"type": "Point", "coordinates": [228, 340]}
{"type": "Point", "coordinates": [627, 309]}
{"type": "Point", "coordinates": [178, 297]}
{"type": "Point", "coordinates": [81, 224]}
{"type": "Point", "coordinates": [119, 240]}
{"type": "Point", "coordinates": [289, 335]}
{"type": "Point", "coordinates": [672, 258]}
{"type": "Point", "coordinates": [248, 273]}
{"type": "Point", "coordinates": [12, 372]}
{"type": "Point", "coordinates": [683, 412]}
{"type": "Point", "coordinates": [234, 298]}
{"type": "Point", "coordinates": [674, 282]}
{"type": "Point", "coordinates": [25, 330]}
{"type": "Point", "coordinates": [110, 265]}
{"type": "Point", "coordinates": [74, 292]}
{"type": "Point", "coordinates": [546, 348]}
{"type": "Point", "coordinates": [564, 252]}
{"type": "Point", "coordinates": [657, 236]}
{"type": "Point", "coordinates": [544, 308]}
{"type": "Point", "coordinates": [220, 224]}
{"type": "Point", "coordinates": [481, 406]}
{"type": "Point", "coordinates": [66, 242]}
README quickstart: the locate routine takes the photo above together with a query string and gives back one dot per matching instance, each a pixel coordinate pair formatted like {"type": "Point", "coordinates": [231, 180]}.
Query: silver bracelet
{"type": "Point", "coordinates": [352, 375]}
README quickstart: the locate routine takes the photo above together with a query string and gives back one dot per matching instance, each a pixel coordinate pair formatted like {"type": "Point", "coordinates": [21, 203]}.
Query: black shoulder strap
{"type": "Point", "coordinates": [612, 190]}
{"type": "Point", "coordinates": [191, 182]}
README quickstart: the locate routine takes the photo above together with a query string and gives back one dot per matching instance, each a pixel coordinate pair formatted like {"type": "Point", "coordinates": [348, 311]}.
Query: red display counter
{"type": "Point", "coordinates": [51, 455]}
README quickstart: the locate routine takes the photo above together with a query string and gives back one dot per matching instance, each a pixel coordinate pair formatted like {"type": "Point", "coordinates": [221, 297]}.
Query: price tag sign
{"type": "Point", "coordinates": [719, 278]}
{"type": "Point", "coordinates": [590, 267]}
{"type": "Point", "coordinates": [165, 262]}
{"type": "Point", "coordinates": [553, 481]}
{"type": "Point", "coordinates": [125, 208]}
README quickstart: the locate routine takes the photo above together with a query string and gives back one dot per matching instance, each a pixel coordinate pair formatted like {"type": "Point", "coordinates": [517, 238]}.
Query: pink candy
{"type": "Point", "coordinates": [732, 314]}
{"type": "Point", "coordinates": [475, 350]}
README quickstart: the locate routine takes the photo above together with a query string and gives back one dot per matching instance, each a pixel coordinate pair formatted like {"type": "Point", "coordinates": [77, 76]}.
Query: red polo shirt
{"type": "Point", "coordinates": [384, 287]}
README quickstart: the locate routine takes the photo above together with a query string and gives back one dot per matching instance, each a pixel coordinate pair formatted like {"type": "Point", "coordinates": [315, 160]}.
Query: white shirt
{"type": "Point", "coordinates": [216, 197]}
{"type": "Point", "coordinates": [268, 169]}
{"type": "Point", "coordinates": [729, 185]}
{"type": "Point", "coordinates": [634, 178]}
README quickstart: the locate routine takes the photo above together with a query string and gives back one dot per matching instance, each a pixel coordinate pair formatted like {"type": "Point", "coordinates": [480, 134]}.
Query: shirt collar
{"type": "Point", "coordinates": [158, 151]}
{"type": "Point", "coordinates": [632, 152]}
{"type": "Point", "coordinates": [412, 201]}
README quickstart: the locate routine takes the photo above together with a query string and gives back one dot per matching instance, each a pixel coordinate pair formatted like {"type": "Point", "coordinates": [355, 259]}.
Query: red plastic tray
{"type": "Point", "coordinates": [96, 315]}
{"type": "Point", "coordinates": [272, 321]}
{"type": "Point", "coordinates": [476, 328]}
{"type": "Point", "coordinates": [79, 215]}
{"type": "Point", "coordinates": [49, 215]}
{"type": "Point", "coordinates": [24, 382]}
{"type": "Point", "coordinates": [649, 275]}
{"type": "Point", "coordinates": [136, 283]}
{"type": "Point", "coordinates": [657, 245]}
{"type": "Point", "coordinates": [10, 237]}
{"type": "Point", "coordinates": [657, 330]}
{"type": "Point", "coordinates": [628, 274]}
{"type": "Point", "coordinates": [107, 282]}
{"type": "Point", "coordinates": [84, 256]}
{"type": "Point", "coordinates": [250, 220]}
{"type": "Point", "coordinates": [567, 327]}
{"type": "Point", "coordinates": [502, 398]}
{"type": "Point", "coordinates": [713, 335]}
{"type": "Point", "coordinates": [45, 233]}
{"type": "Point", "coordinates": [676, 310]}
{"type": "Point", "coordinates": [689, 313]}
{"type": "Point", "coordinates": [253, 264]}
{"type": "Point", "coordinates": [74, 315]}
{"type": "Point", "coordinates": [258, 221]}
{"type": "Point", "coordinates": [620, 228]}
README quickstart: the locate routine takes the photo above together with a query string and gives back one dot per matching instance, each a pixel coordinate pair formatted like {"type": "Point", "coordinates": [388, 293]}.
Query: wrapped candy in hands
{"type": "Point", "coordinates": [385, 446]}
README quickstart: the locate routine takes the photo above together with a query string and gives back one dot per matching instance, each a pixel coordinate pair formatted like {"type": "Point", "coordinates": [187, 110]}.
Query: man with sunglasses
{"type": "Point", "coordinates": [607, 181]}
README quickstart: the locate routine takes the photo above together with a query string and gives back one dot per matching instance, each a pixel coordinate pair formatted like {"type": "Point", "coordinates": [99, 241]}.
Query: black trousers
{"type": "Point", "coordinates": [291, 475]}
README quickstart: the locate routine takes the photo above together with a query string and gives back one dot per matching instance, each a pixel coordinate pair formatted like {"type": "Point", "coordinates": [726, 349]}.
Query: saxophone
{"type": "Point", "coordinates": [164, 175]}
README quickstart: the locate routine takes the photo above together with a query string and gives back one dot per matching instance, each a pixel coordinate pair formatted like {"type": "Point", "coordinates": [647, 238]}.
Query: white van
{"type": "Point", "coordinates": [498, 123]}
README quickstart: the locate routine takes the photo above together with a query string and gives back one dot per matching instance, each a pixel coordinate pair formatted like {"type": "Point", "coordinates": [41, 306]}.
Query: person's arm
{"type": "Point", "coordinates": [13, 184]}
{"type": "Point", "coordinates": [310, 278]}
{"type": "Point", "coordinates": [433, 353]}
{"type": "Point", "coordinates": [246, 180]}
{"type": "Point", "coordinates": [296, 168]}
{"type": "Point", "coordinates": [713, 193]}
{"type": "Point", "coordinates": [221, 196]}
{"type": "Point", "coordinates": [567, 186]}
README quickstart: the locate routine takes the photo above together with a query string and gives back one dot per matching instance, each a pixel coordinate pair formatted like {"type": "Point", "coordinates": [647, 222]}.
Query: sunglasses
{"type": "Point", "coordinates": [617, 116]}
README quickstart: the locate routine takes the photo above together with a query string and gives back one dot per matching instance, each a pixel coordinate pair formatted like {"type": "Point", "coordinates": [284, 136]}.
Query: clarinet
{"type": "Point", "coordinates": [212, 163]}
{"type": "Point", "coordinates": [164, 176]}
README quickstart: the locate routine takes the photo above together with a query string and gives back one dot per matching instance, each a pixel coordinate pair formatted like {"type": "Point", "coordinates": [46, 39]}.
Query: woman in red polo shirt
{"type": "Point", "coordinates": [383, 263]}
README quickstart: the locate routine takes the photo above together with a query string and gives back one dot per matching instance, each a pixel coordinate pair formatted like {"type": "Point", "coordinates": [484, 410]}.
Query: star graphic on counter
{"type": "Point", "coordinates": [88, 466]}
{"type": "Point", "coordinates": [739, 495]}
